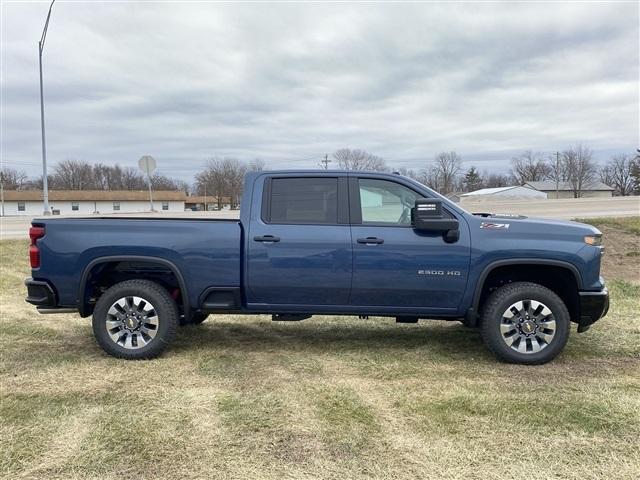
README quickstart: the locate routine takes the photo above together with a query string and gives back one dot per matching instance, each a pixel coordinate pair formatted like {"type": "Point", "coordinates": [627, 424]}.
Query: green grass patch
{"type": "Point", "coordinates": [626, 224]}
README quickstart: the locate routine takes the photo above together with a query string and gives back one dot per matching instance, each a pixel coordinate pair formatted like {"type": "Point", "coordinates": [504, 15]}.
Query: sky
{"type": "Point", "coordinates": [291, 82]}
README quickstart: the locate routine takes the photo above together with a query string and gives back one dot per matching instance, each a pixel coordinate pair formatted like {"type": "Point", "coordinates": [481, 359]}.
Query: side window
{"type": "Point", "coordinates": [21, 207]}
{"type": "Point", "coordinates": [303, 201]}
{"type": "Point", "coordinates": [165, 205]}
{"type": "Point", "coordinates": [383, 201]}
{"type": "Point", "coordinates": [75, 206]}
{"type": "Point", "coordinates": [116, 206]}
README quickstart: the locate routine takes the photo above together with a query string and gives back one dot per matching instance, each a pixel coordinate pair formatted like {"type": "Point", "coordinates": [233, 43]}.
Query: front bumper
{"type": "Point", "coordinates": [593, 306]}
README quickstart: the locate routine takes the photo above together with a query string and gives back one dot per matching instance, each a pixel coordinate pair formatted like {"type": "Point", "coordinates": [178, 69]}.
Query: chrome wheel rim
{"type": "Point", "coordinates": [528, 326]}
{"type": "Point", "coordinates": [132, 322]}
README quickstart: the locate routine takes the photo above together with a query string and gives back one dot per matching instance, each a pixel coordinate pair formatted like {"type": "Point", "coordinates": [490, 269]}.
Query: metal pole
{"type": "Point", "coordinates": [45, 183]}
{"type": "Point", "coordinates": [150, 195]}
{"type": "Point", "coordinates": [2, 191]}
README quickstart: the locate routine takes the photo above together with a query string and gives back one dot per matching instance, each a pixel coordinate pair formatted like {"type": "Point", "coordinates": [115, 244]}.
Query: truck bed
{"type": "Point", "coordinates": [206, 251]}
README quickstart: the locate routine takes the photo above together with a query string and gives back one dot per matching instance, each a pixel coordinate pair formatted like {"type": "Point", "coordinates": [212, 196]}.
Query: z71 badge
{"type": "Point", "coordinates": [495, 226]}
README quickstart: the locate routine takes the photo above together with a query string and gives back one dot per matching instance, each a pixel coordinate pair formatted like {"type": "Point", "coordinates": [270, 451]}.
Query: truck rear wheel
{"type": "Point", "coordinates": [136, 319]}
{"type": "Point", "coordinates": [525, 323]}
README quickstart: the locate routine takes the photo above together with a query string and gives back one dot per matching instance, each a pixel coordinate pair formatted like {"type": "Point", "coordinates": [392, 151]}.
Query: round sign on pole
{"type": "Point", "coordinates": [147, 164]}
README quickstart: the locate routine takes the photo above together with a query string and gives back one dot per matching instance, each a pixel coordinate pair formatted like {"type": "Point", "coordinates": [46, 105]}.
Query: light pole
{"type": "Point", "coordinates": [45, 186]}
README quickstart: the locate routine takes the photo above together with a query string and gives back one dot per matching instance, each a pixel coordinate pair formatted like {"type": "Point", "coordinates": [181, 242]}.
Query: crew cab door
{"type": "Point", "coordinates": [299, 242]}
{"type": "Point", "coordinates": [394, 265]}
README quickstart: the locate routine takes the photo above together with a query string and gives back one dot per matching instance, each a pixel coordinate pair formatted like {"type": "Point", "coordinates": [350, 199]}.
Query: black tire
{"type": "Point", "coordinates": [196, 319]}
{"type": "Point", "coordinates": [164, 312]}
{"type": "Point", "coordinates": [493, 324]}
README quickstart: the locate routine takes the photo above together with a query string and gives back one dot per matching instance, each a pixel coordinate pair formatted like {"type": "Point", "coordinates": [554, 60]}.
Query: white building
{"type": "Point", "coordinates": [87, 202]}
{"type": "Point", "coordinates": [503, 193]}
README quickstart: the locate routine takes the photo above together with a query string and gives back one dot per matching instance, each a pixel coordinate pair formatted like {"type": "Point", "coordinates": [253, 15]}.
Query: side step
{"type": "Point", "coordinates": [406, 319]}
{"type": "Point", "coordinates": [289, 317]}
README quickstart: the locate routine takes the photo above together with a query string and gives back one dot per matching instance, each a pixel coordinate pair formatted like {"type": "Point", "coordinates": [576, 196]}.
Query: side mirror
{"type": "Point", "coordinates": [426, 216]}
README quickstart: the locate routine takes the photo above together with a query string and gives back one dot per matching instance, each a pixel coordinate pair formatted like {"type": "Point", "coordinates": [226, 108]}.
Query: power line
{"type": "Point", "coordinates": [326, 161]}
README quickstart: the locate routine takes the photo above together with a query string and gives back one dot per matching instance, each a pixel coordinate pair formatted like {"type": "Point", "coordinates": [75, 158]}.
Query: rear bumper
{"type": "Point", "coordinates": [593, 306]}
{"type": "Point", "coordinates": [40, 293]}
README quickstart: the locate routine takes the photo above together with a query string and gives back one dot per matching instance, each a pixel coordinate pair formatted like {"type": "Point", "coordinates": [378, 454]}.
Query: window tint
{"type": "Point", "coordinates": [383, 201]}
{"type": "Point", "coordinates": [304, 200]}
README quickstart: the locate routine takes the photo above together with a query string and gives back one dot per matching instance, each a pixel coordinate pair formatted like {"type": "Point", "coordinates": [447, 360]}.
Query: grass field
{"type": "Point", "coordinates": [246, 398]}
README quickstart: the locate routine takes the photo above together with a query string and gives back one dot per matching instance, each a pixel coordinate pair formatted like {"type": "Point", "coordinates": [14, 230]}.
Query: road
{"type": "Point", "coordinates": [17, 227]}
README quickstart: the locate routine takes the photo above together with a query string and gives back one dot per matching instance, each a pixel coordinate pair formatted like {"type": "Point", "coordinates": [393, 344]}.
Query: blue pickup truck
{"type": "Point", "coordinates": [330, 243]}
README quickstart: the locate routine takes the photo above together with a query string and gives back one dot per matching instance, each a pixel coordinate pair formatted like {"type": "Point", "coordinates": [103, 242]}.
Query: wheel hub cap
{"type": "Point", "coordinates": [528, 326]}
{"type": "Point", "coordinates": [132, 322]}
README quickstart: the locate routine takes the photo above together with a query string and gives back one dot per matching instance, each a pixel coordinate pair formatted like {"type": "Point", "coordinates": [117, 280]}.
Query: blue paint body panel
{"type": "Point", "coordinates": [319, 268]}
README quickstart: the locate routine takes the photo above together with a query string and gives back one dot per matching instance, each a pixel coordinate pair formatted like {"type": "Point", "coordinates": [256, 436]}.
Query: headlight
{"type": "Point", "coordinates": [595, 240]}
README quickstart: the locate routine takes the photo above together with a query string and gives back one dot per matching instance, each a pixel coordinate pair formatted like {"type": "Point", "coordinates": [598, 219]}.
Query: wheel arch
{"type": "Point", "coordinates": [83, 307]}
{"type": "Point", "coordinates": [508, 266]}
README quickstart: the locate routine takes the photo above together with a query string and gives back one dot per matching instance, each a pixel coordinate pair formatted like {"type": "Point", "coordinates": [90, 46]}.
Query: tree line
{"type": "Point", "coordinates": [81, 175]}
{"type": "Point", "coordinates": [574, 167]}
{"type": "Point", "coordinates": [222, 178]}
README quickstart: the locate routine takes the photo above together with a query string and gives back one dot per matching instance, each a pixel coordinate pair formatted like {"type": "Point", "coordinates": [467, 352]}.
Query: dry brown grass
{"type": "Point", "coordinates": [242, 397]}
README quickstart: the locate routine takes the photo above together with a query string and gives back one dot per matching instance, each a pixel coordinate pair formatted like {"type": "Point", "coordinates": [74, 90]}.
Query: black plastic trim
{"type": "Point", "coordinates": [40, 293]}
{"type": "Point", "coordinates": [593, 306]}
{"type": "Point", "coordinates": [471, 316]}
{"type": "Point", "coordinates": [131, 258]}
{"type": "Point", "coordinates": [234, 306]}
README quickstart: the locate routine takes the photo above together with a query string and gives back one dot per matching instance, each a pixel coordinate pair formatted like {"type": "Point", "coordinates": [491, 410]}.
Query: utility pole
{"type": "Point", "coordinates": [45, 183]}
{"type": "Point", "coordinates": [326, 161]}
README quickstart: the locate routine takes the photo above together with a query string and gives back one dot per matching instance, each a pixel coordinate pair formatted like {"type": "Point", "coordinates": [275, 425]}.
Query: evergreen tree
{"type": "Point", "coordinates": [472, 180]}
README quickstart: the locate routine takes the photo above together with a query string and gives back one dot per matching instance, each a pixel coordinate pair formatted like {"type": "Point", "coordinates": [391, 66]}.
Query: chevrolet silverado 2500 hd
{"type": "Point", "coordinates": [323, 242]}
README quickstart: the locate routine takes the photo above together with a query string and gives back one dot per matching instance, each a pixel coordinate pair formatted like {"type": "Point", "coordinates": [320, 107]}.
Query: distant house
{"type": "Point", "coordinates": [565, 190]}
{"type": "Point", "coordinates": [503, 193]}
{"type": "Point", "coordinates": [83, 202]}
{"type": "Point", "coordinates": [202, 203]}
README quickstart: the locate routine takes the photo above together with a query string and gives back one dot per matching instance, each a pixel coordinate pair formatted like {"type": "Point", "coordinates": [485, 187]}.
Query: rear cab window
{"type": "Point", "coordinates": [302, 200]}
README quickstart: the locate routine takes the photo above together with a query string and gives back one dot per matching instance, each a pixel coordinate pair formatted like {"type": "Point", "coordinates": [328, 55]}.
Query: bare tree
{"type": "Point", "coordinates": [408, 172]}
{"type": "Point", "coordinates": [234, 172]}
{"type": "Point", "coordinates": [618, 174]}
{"type": "Point", "coordinates": [359, 160]}
{"type": "Point", "coordinates": [529, 167]}
{"type": "Point", "coordinates": [12, 179]}
{"type": "Point", "coordinates": [257, 165]}
{"type": "Point", "coordinates": [495, 180]}
{"type": "Point", "coordinates": [72, 175]}
{"type": "Point", "coordinates": [443, 174]}
{"type": "Point", "coordinates": [580, 168]}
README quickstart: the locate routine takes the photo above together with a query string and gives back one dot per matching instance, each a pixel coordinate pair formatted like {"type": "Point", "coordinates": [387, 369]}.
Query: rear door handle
{"type": "Point", "coordinates": [266, 238]}
{"type": "Point", "coordinates": [371, 240]}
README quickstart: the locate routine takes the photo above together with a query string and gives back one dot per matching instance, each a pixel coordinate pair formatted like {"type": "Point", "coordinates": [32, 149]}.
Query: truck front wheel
{"type": "Point", "coordinates": [525, 323]}
{"type": "Point", "coordinates": [136, 319]}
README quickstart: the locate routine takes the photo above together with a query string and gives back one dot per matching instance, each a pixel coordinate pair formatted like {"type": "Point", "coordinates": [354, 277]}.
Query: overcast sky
{"type": "Point", "coordinates": [290, 82]}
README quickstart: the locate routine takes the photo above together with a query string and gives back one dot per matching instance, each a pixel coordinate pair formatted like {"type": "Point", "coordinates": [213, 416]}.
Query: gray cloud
{"type": "Point", "coordinates": [290, 82]}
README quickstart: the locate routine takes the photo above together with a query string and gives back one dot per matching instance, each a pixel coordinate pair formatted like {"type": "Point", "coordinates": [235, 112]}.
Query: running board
{"type": "Point", "coordinates": [289, 317]}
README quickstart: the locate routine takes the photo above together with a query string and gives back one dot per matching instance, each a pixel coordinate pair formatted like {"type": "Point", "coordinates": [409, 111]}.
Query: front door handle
{"type": "Point", "coordinates": [371, 241]}
{"type": "Point", "coordinates": [266, 238]}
